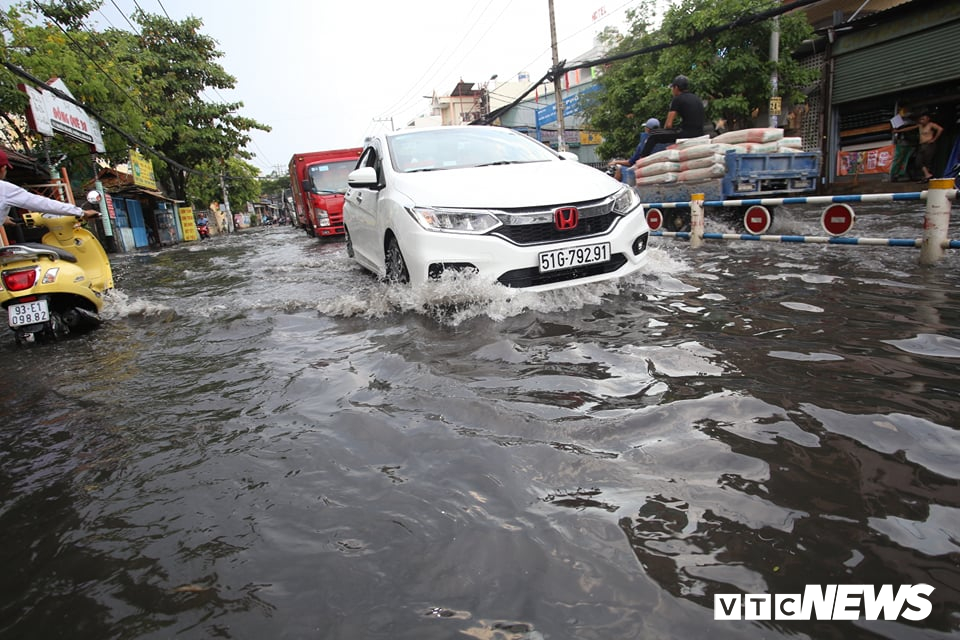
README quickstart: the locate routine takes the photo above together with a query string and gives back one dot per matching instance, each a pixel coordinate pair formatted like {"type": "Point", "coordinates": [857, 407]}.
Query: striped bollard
{"type": "Point", "coordinates": [936, 222]}
{"type": "Point", "coordinates": [696, 220]}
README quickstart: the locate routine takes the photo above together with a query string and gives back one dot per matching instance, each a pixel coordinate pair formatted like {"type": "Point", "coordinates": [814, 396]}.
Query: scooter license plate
{"type": "Point", "coordinates": [28, 313]}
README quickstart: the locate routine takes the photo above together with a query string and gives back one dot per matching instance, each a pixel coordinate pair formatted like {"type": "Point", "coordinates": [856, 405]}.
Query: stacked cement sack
{"type": "Point", "coordinates": [703, 158]}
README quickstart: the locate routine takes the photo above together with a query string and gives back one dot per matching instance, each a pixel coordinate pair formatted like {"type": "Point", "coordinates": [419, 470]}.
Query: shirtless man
{"type": "Point", "coordinates": [929, 134]}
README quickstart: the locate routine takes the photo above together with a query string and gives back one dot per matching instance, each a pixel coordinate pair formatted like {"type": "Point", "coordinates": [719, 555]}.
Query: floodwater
{"type": "Point", "coordinates": [263, 441]}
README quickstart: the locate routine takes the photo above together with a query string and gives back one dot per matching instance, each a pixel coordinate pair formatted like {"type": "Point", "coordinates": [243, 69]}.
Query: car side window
{"type": "Point", "coordinates": [371, 158]}
{"type": "Point", "coordinates": [367, 158]}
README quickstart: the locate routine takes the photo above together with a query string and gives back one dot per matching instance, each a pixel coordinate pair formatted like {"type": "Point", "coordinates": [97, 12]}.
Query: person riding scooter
{"type": "Point", "coordinates": [203, 226]}
{"type": "Point", "coordinates": [56, 286]}
{"type": "Point", "coordinates": [13, 196]}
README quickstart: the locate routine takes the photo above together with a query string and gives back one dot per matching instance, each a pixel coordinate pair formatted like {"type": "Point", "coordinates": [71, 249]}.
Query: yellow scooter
{"type": "Point", "coordinates": [55, 287]}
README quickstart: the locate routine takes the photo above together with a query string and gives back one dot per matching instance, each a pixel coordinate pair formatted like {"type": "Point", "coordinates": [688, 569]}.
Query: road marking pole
{"type": "Point", "coordinates": [936, 222]}
{"type": "Point", "coordinates": [696, 220]}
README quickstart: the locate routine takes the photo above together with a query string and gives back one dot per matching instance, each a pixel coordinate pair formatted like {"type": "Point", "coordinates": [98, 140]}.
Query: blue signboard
{"type": "Point", "coordinates": [571, 105]}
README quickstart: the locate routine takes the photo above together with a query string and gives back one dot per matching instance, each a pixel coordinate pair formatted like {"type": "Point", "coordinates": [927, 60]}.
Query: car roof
{"type": "Point", "coordinates": [391, 134]}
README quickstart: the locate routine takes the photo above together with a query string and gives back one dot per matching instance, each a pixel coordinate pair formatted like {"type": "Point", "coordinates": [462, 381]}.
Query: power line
{"type": "Point", "coordinates": [742, 21]}
{"type": "Point", "coordinates": [85, 53]}
{"type": "Point", "coordinates": [126, 136]}
{"type": "Point", "coordinates": [122, 15]}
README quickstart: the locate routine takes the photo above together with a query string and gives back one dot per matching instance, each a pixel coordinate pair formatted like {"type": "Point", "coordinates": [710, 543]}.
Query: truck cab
{"type": "Point", "coordinates": [318, 180]}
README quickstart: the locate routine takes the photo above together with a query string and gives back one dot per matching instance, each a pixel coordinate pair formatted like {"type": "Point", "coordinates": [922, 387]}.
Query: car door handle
{"type": "Point", "coordinates": [359, 198]}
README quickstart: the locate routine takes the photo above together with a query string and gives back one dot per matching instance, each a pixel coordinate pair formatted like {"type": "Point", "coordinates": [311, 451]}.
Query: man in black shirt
{"type": "Point", "coordinates": [690, 109]}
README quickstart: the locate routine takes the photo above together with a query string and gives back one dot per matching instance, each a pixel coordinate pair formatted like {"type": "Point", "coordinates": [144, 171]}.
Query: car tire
{"type": "Point", "coordinates": [349, 241]}
{"type": "Point", "coordinates": [396, 266]}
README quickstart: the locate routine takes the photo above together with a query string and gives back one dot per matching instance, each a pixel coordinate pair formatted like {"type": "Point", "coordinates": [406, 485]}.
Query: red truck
{"type": "Point", "coordinates": [319, 180]}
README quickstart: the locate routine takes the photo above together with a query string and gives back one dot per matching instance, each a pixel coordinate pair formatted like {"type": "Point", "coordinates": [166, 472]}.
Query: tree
{"type": "Point", "coordinates": [274, 185]}
{"type": "Point", "coordinates": [87, 64]}
{"type": "Point", "coordinates": [204, 186]}
{"type": "Point", "coordinates": [178, 66]}
{"type": "Point", "coordinates": [151, 84]}
{"type": "Point", "coordinates": [730, 70]}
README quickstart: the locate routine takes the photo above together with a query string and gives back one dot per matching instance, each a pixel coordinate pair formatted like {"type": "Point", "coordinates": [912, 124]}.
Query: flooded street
{"type": "Point", "coordinates": [263, 441]}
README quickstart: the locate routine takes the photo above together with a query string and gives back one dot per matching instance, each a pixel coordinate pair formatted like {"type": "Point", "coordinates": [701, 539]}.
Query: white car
{"type": "Point", "coordinates": [489, 200]}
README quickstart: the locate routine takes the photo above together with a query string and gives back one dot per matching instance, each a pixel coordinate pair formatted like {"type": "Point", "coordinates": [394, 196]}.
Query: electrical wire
{"type": "Point", "coordinates": [562, 68]}
{"type": "Point", "coordinates": [133, 140]}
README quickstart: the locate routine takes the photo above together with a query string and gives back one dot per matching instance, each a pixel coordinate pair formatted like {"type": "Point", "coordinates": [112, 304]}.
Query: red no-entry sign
{"type": "Point", "coordinates": [757, 219]}
{"type": "Point", "coordinates": [654, 219]}
{"type": "Point", "coordinates": [837, 219]}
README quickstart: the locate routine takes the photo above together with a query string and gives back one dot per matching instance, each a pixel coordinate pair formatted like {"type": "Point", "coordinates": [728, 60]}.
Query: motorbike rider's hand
{"type": "Point", "coordinates": [91, 212]}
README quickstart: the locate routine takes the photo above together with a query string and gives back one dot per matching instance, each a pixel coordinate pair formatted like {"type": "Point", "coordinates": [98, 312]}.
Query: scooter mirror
{"type": "Point", "coordinates": [94, 197]}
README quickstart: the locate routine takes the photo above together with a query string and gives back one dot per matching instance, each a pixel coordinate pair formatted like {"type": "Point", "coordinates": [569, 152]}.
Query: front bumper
{"type": "Point", "coordinates": [430, 253]}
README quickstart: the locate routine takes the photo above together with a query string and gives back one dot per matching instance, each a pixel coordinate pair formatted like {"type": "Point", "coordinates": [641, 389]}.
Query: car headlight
{"type": "Point", "coordinates": [454, 220]}
{"type": "Point", "coordinates": [625, 201]}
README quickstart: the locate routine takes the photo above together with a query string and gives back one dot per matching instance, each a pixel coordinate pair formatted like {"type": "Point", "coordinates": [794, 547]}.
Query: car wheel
{"type": "Point", "coordinates": [346, 236]}
{"type": "Point", "coordinates": [396, 267]}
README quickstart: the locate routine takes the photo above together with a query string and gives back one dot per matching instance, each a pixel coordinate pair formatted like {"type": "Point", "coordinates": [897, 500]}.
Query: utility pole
{"type": "Point", "coordinates": [775, 101]}
{"type": "Point", "coordinates": [226, 198]}
{"type": "Point", "coordinates": [390, 120]}
{"type": "Point", "coordinates": [557, 81]}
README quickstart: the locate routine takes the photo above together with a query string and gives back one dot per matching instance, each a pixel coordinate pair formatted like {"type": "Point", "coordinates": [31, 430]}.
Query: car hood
{"type": "Point", "coordinates": [533, 184]}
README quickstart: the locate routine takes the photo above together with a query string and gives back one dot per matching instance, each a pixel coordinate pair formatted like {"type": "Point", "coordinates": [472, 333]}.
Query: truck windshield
{"type": "Point", "coordinates": [330, 177]}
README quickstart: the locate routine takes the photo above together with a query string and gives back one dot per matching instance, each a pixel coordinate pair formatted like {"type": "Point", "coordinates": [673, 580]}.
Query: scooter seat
{"type": "Point", "coordinates": [63, 253]}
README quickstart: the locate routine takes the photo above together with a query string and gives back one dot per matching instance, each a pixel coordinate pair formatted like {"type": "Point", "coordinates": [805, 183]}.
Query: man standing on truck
{"type": "Point", "coordinates": [690, 110]}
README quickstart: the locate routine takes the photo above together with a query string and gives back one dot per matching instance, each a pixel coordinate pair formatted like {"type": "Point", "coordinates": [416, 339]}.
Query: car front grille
{"type": "Point", "coordinates": [531, 276]}
{"type": "Point", "coordinates": [529, 227]}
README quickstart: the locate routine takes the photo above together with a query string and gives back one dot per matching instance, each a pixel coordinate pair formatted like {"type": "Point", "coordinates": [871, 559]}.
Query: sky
{"type": "Point", "coordinates": [324, 74]}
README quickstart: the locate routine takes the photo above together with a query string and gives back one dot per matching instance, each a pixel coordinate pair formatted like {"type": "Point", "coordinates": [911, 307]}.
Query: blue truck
{"type": "Point", "coordinates": [747, 176]}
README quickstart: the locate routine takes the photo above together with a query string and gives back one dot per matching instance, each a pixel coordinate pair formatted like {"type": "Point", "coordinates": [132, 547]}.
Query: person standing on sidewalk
{"type": "Point", "coordinates": [930, 132]}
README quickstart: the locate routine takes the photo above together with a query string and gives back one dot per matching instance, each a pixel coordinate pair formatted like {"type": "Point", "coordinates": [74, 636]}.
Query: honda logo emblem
{"type": "Point", "coordinates": [566, 218]}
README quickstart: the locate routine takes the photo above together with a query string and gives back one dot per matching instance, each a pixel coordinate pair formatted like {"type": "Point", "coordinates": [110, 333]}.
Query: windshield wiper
{"type": "Point", "coordinates": [498, 162]}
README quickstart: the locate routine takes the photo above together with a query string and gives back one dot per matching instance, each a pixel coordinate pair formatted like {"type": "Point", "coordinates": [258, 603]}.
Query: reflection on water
{"type": "Point", "coordinates": [264, 441]}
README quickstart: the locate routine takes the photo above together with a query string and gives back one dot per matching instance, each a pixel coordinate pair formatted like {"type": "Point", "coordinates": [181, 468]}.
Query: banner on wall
{"type": "Point", "coordinates": [865, 161]}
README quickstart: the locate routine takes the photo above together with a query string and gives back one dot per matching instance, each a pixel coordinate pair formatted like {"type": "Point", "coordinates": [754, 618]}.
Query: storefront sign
{"type": "Point", "coordinates": [571, 104]}
{"type": "Point", "coordinates": [142, 170]}
{"type": "Point", "coordinates": [49, 114]}
{"type": "Point", "coordinates": [189, 224]}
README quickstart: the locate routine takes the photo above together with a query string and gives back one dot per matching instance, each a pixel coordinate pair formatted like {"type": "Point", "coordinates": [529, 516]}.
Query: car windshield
{"type": "Point", "coordinates": [330, 177]}
{"type": "Point", "coordinates": [461, 147]}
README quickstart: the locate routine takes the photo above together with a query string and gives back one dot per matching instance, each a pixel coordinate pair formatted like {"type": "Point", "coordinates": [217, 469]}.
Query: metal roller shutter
{"type": "Point", "coordinates": [928, 57]}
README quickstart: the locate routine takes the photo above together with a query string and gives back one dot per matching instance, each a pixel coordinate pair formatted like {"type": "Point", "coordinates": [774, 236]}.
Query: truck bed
{"type": "Point", "coordinates": [748, 175]}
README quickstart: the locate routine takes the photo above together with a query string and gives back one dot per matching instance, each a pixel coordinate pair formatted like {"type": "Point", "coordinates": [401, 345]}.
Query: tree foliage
{"type": "Point", "coordinates": [154, 84]}
{"type": "Point", "coordinates": [242, 184]}
{"type": "Point", "coordinates": [275, 184]}
{"type": "Point", "coordinates": [730, 70]}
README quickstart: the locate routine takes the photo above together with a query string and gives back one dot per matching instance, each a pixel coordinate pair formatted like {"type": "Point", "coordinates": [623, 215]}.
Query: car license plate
{"type": "Point", "coordinates": [28, 313]}
{"type": "Point", "coordinates": [574, 256]}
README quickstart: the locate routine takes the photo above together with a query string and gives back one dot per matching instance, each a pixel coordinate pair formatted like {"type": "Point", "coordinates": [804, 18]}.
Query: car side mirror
{"type": "Point", "coordinates": [567, 155]}
{"type": "Point", "coordinates": [364, 177]}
